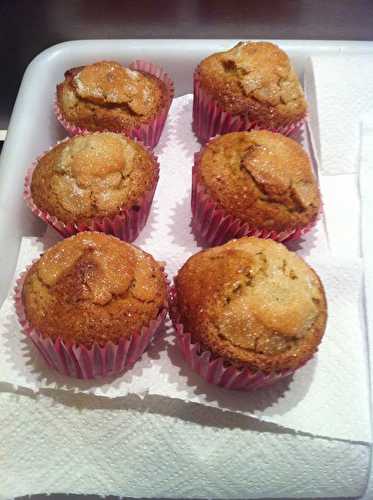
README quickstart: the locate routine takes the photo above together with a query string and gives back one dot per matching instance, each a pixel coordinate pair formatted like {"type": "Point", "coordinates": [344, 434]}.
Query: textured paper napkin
{"type": "Point", "coordinates": [320, 399]}
{"type": "Point", "coordinates": [163, 448]}
{"type": "Point", "coordinates": [341, 199]}
{"type": "Point", "coordinates": [339, 88]}
{"type": "Point", "coordinates": [316, 400]}
{"type": "Point", "coordinates": [366, 183]}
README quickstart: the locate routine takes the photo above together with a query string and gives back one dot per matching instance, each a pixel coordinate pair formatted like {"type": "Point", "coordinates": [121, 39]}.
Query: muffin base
{"type": "Point", "coordinates": [148, 133]}
{"type": "Point", "coordinates": [215, 369]}
{"type": "Point", "coordinates": [126, 225]}
{"type": "Point", "coordinates": [214, 226]}
{"type": "Point", "coordinates": [78, 361]}
{"type": "Point", "coordinates": [210, 120]}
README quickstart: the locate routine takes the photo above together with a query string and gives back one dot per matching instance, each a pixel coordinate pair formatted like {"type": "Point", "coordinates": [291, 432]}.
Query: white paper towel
{"type": "Point", "coordinates": [319, 399]}
{"type": "Point", "coordinates": [366, 185]}
{"type": "Point", "coordinates": [309, 403]}
{"type": "Point", "coordinates": [164, 448]}
{"type": "Point", "coordinates": [339, 89]}
{"type": "Point", "coordinates": [341, 200]}
{"type": "Point", "coordinates": [47, 444]}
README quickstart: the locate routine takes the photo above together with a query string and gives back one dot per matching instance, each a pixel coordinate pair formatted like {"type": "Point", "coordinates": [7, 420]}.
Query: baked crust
{"type": "Point", "coordinates": [93, 175]}
{"type": "Point", "coordinates": [254, 303]}
{"type": "Point", "coordinates": [93, 288]}
{"type": "Point", "coordinates": [254, 79]}
{"type": "Point", "coordinates": [107, 96]}
{"type": "Point", "coordinates": [263, 178]}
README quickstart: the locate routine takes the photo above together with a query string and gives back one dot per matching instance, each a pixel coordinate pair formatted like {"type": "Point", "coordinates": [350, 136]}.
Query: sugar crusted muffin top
{"type": "Point", "coordinates": [261, 177]}
{"type": "Point", "coordinates": [254, 303]}
{"type": "Point", "coordinates": [93, 288]}
{"type": "Point", "coordinates": [255, 78]}
{"type": "Point", "coordinates": [106, 95]}
{"type": "Point", "coordinates": [92, 175]}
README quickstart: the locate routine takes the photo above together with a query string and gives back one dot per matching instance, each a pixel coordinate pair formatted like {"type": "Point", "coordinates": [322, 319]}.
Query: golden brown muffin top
{"type": "Point", "coordinates": [93, 288]}
{"type": "Point", "coordinates": [106, 95]}
{"type": "Point", "coordinates": [263, 178]}
{"type": "Point", "coordinates": [255, 78]}
{"type": "Point", "coordinates": [92, 175]}
{"type": "Point", "coordinates": [254, 303]}
{"type": "Point", "coordinates": [108, 82]}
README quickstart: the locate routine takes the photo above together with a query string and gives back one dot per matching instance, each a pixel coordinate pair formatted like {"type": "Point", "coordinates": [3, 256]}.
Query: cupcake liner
{"type": "Point", "coordinates": [214, 226]}
{"type": "Point", "coordinates": [126, 225]}
{"type": "Point", "coordinates": [148, 133]}
{"type": "Point", "coordinates": [215, 369]}
{"type": "Point", "coordinates": [210, 120]}
{"type": "Point", "coordinates": [80, 362]}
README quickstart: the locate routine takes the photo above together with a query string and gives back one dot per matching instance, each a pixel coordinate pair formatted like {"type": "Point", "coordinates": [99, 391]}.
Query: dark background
{"type": "Point", "coordinates": [28, 27]}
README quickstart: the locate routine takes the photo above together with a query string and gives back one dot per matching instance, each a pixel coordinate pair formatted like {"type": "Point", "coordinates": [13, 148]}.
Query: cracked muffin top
{"type": "Point", "coordinates": [263, 178]}
{"type": "Point", "coordinates": [257, 79]}
{"type": "Point", "coordinates": [93, 288]}
{"type": "Point", "coordinates": [107, 96]}
{"type": "Point", "coordinates": [92, 175]}
{"type": "Point", "coordinates": [254, 303]}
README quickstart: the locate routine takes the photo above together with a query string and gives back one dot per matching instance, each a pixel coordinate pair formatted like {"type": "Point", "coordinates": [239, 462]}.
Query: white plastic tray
{"type": "Point", "coordinates": [33, 127]}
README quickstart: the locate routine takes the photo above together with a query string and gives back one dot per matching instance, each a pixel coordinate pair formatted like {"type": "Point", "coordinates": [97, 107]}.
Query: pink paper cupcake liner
{"type": "Point", "coordinates": [126, 225]}
{"type": "Point", "coordinates": [149, 133]}
{"type": "Point", "coordinates": [215, 369]}
{"type": "Point", "coordinates": [80, 362]}
{"type": "Point", "coordinates": [210, 120]}
{"type": "Point", "coordinates": [214, 226]}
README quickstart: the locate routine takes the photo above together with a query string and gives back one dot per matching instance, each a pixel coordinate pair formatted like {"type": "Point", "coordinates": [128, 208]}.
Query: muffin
{"type": "Point", "coordinates": [256, 183]}
{"type": "Point", "coordinates": [107, 96]}
{"type": "Point", "coordinates": [252, 85]}
{"type": "Point", "coordinates": [100, 181]}
{"type": "Point", "coordinates": [248, 312]}
{"type": "Point", "coordinates": [91, 304]}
